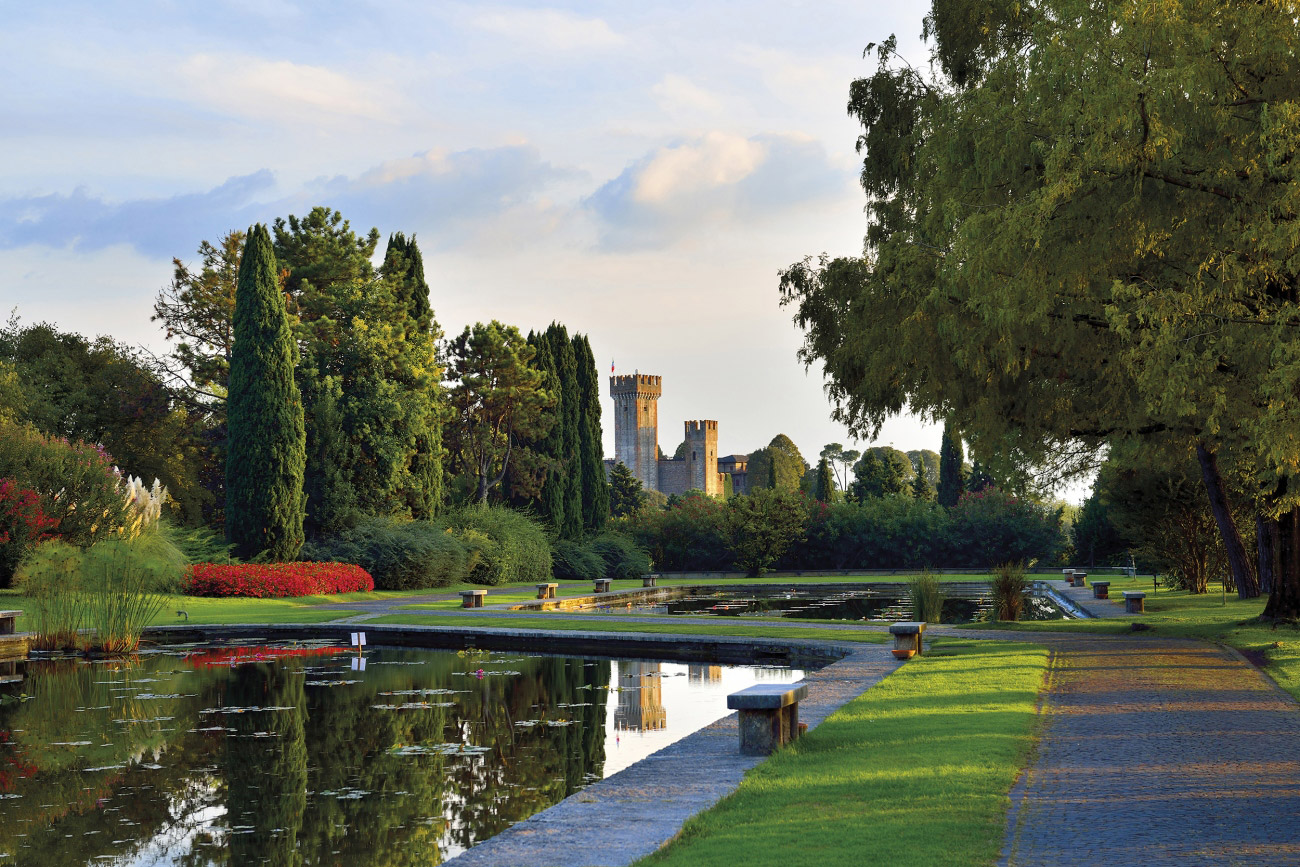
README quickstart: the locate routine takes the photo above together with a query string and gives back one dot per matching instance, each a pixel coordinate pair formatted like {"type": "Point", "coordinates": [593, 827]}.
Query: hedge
{"type": "Point", "coordinates": [275, 580]}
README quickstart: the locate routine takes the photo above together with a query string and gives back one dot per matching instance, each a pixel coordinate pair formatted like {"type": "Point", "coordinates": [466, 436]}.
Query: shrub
{"type": "Point", "coordinates": [622, 558]}
{"type": "Point", "coordinates": [574, 562]}
{"type": "Point", "coordinates": [77, 484]}
{"type": "Point", "coordinates": [764, 525]}
{"type": "Point", "coordinates": [504, 546]}
{"type": "Point", "coordinates": [927, 597]}
{"type": "Point", "coordinates": [114, 588]}
{"type": "Point", "coordinates": [401, 555]}
{"type": "Point", "coordinates": [1008, 590]}
{"type": "Point", "coordinates": [200, 544]}
{"type": "Point", "coordinates": [992, 526]}
{"type": "Point", "coordinates": [23, 524]}
{"type": "Point", "coordinates": [692, 534]}
{"type": "Point", "coordinates": [276, 580]}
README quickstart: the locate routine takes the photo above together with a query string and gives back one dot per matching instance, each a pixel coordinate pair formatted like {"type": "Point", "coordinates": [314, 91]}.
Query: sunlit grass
{"type": "Point", "coordinates": [915, 771]}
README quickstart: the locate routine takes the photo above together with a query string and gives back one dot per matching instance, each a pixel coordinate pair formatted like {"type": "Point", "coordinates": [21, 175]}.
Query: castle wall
{"type": "Point", "coordinates": [674, 477]}
{"type": "Point", "coordinates": [636, 425]}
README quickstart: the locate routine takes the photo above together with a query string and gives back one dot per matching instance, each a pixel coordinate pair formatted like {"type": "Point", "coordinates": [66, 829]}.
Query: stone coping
{"type": "Point", "coordinates": [909, 627]}
{"type": "Point", "coordinates": [767, 696]}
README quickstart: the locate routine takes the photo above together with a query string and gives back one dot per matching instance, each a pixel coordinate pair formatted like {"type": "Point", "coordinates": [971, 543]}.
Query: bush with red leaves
{"type": "Point", "coordinates": [275, 580]}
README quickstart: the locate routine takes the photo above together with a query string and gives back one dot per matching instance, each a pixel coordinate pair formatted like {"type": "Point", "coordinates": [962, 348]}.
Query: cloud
{"type": "Point", "coordinates": [677, 94]}
{"type": "Point", "coordinates": [445, 195]}
{"type": "Point", "coordinates": [711, 182]}
{"type": "Point", "coordinates": [550, 30]}
{"type": "Point", "coordinates": [248, 86]}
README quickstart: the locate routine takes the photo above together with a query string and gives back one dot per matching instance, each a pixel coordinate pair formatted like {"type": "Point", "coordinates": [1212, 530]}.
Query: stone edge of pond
{"type": "Point", "coordinates": [630, 814]}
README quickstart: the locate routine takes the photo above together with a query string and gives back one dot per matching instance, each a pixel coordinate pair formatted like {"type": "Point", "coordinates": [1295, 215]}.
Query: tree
{"type": "Point", "coordinates": [841, 460]}
{"type": "Point", "coordinates": [762, 527]}
{"type": "Point", "coordinates": [568, 473]}
{"type": "Point", "coordinates": [824, 490]}
{"type": "Point", "coordinates": [925, 461]}
{"type": "Point", "coordinates": [322, 253]}
{"type": "Point", "coordinates": [267, 451]}
{"type": "Point", "coordinates": [883, 471]}
{"type": "Point", "coordinates": [496, 399]}
{"type": "Point", "coordinates": [952, 479]}
{"type": "Point", "coordinates": [1097, 541]}
{"type": "Point", "coordinates": [921, 487]}
{"type": "Point", "coordinates": [995, 314]}
{"type": "Point", "coordinates": [625, 491]}
{"type": "Point", "coordinates": [594, 488]}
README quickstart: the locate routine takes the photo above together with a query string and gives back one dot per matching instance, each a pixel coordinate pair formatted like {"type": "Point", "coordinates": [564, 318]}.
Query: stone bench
{"type": "Point", "coordinates": [907, 638]}
{"type": "Point", "coordinates": [603, 585]}
{"type": "Point", "coordinates": [546, 590]}
{"type": "Point", "coordinates": [9, 622]}
{"type": "Point", "coordinates": [769, 716]}
{"type": "Point", "coordinates": [472, 598]}
{"type": "Point", "coordinates": [1101, 590]}
{"type": "Point", "coordinates": [1079, 579]}
{"type": "Point", "coordinates": [649, 580]}
{"type": "Point", "coordinates": [1135, 602]}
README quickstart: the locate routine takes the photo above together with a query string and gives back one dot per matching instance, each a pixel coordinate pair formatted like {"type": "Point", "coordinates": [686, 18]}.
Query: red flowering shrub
{"type": "Point", "coordinates": [274, 580]}
{"type": "Point", "coordinates": [230, 656]}
{"type": "Point", "coordinates": [23, 525]}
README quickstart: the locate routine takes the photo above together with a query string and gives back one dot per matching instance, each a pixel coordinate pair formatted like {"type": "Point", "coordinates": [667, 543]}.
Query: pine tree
{"type": "Point", "coordinates": [921, 487]}
{"type": "Point", "coordinates": [824, 489]}
{"type": "Point", "coordinates": [595, 489]}
{"type": "Point", "coordinates": [625, 491]}
{"type": "Point", "coordinates": [952, 481]}
{"type": "Point", "coordinates": [267, 448]}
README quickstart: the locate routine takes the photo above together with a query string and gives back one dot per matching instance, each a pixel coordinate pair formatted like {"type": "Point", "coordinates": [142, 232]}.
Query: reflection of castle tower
{"type": "Point", "coordinates": [640, 698]}
{"type": "Point", "coordinates": [636, 441]}
{"type": "Point", "coordinates": [704, 673]}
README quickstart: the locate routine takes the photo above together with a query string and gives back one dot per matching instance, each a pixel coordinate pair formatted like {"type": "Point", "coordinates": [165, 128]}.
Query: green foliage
{"type": "Point", "coordinates": [622, 558]}
{"type": "Point", "coordinates": [625, 492]}
{"type": "Point", "coordinates": [266, 454]}
{"type": "Point", "coordinates": [104, 392]}
{"type": "Point", "coordinates": [925, 462]}
{"type": "Point", "coordinates": [200, 544]}
{"type": "Point", "coordinates": [824, 488]}
{"type": "Point", "coordinates": [504, 546]}
{"type": "Point", "coordinates": [575, 561]}
{"type": "Point", "coordinates": [952, 478]}
{"type": "Point", "coordinates": [921, 487]}
{"type": "Point", "coordinates": [595, 489]}
{"type": "Point", "coordinates": [841, 460]}
{"type": "Point", "coordinates": [1008, 590]}
{"type": "Point", "coordinates": [497, 400]}
{"type": "Point", "coordinates": [883, 471]}
{"type": "Point", "coordinates": [762, 526]}
{"type": "Point", "coordinates": [327, 484]}
{"type": "Point", "coordinates": [926, 594]}
{"type": "Point", "coordinates": [398, 554]}
{"type": "Point", "coordinates": [692, 533]}
{"type": "Point", "coordinates": [568, 464]}
{"type": "Point", "coordinates": [75, 482]}
{"type": "Point", "coordinates": [115, 588]}
{"type": "Point", "coordinates": [991, 526]}
{"type": "Point", "coordinates": [1095, 538]}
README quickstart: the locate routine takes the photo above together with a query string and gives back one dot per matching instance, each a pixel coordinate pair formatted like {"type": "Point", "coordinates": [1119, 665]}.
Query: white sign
{"type": "Point", "coordinates": [358, 663]}
{"type": "Point", "coordinates": [358, 639]}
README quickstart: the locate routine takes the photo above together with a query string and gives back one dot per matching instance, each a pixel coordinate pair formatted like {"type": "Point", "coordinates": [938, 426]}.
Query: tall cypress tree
{"type": "Point", "coordinates": [550, 448]}
{"type": "Point", "coordinates": [951, 480]}
{"type": "Point", "coordinates": [569, 472]}
{"type": "Point", "coordinates": [267, 448]}
{"type": "Point", "coordinates": [824, 489]}
{"type": "Point", "coordinates": [595, 488]}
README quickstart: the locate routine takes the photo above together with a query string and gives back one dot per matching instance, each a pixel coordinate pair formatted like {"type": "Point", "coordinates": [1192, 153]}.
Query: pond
{"type": "Point", "coordinates": [964, 602]}
{"type": "Point", "coordinates": [308, 754]}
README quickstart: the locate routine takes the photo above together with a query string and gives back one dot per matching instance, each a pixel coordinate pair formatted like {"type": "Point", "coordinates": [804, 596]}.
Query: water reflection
{"type": "Point", "coordinates": [287, 756]}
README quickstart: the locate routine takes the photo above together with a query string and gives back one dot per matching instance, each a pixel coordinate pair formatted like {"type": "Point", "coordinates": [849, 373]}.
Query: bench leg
{"type": "Point", "coordinates": [763, 732]}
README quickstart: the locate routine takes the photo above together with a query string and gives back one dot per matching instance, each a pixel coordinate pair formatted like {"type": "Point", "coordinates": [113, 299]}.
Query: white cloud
{"type": "Point", "coordinates": [243, 85]}
{"type": "Point", "coordinates": [687, 170]}
{"type": "Point", "coordinates": [550, 29]}
{"type": "Point", "coordinates": [678, 95]}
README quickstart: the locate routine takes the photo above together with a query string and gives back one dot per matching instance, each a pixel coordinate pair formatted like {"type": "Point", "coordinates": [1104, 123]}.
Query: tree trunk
{"type": "Point", "coordinates": [1238, 563]}
{"type": "Point", "coordinates": [1284, 600]}
{"type": "Point", "coordinates": [1265, 531]}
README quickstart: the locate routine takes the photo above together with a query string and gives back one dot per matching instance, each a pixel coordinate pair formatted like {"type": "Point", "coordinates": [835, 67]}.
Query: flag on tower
{"type": "Point", "coordinates": [611, 365]}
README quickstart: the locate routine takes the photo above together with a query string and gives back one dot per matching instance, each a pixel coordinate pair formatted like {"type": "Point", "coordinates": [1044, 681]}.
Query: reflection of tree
{"type": "Point", "coordinates": [266, 765]}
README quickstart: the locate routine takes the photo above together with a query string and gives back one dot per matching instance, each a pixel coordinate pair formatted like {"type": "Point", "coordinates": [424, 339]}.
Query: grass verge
{"type": "Point", "coordinates": [671, 626]}
{"type": "Point", "coordinates": [917, 770]}
{"type": "Point", "coordinates": [1223, 619]}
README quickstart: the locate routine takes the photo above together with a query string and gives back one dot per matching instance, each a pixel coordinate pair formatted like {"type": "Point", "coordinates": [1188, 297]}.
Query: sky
{"type": "Point", "coordinates": [637, 172]}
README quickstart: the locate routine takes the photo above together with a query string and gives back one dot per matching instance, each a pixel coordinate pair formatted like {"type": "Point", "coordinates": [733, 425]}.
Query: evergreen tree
{"type": "Point", "coordinates": [267, 445]}
{"type": "Point", "coordinates": [825, 486]}
{"type": "Point", "coordinates": [980, 478]}
{"type": "Point", "coordinates": [331, 500]}
{"type": "Point", "coordinates": [921, 487]}
{"type": "Point", "coordinates": [625, 491]}
{"type": "Point", "coordinates": [952, 480]}
{"type": "Point", "coordinates": [569, 470]}
{"type": "Point", "coordinates": [550, 501]}
{"type": "Point", "coordinates": [595, 489]}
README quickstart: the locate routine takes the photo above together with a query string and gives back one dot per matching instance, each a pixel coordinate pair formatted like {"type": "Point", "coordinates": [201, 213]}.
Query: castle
{"type": "Point", "coordinates": [636, 444]}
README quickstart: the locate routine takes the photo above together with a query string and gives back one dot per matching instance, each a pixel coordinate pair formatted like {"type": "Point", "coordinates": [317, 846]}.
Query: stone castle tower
{"type": "Point", "coordinates": [636, 440]}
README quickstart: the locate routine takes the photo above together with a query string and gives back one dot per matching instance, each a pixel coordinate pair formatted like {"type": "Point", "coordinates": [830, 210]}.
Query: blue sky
{"type": "Point", "coordinates": [639, 172]}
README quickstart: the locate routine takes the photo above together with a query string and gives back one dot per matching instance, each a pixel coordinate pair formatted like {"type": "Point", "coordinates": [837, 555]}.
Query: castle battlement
{"type": "Point", "coordinates": [642, 384]}
{"type": "Point", "coordinates": [695, 427]}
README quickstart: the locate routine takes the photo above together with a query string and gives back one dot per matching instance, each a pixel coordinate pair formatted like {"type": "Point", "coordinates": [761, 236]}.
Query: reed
{"type": "Point", "coordinates": [1008, 590]}
{"type": "Point", "coordinates": [927, 597]}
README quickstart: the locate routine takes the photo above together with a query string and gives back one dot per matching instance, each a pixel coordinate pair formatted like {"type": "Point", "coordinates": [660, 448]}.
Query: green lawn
{"type": "Point", "coordinates": [914, 771]}
{"type": "Point", "coordinates": [671, 625]}
{"type": "Point", "coordinates": [1209, 617]}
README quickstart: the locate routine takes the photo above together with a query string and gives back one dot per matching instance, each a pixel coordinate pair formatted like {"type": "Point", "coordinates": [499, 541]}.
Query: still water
{"type": "Point", "coordinates": [301, 754]}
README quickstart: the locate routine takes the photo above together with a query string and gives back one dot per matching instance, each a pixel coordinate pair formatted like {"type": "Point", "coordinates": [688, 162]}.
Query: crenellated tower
{"type": "Point", "coordinates": [636, 425]}
{"type": "Point", "coordinates": [702, 457]}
